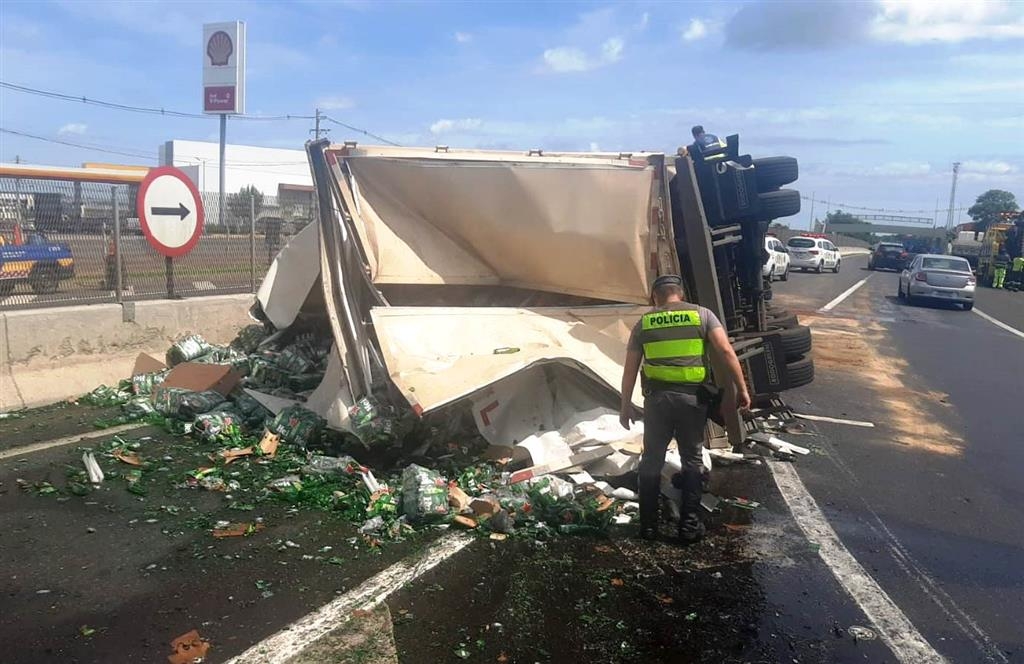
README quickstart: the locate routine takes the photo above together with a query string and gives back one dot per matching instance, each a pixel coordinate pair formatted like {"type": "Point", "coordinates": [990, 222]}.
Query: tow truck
{"type": "Point", "coordinates": [29, 257]}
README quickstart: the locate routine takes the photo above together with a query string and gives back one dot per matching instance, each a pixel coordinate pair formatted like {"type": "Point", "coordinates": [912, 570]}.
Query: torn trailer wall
{"type": "Point", "coordinates": [576, 225]}
{"type": "Point", "coordinates": [477, 228]}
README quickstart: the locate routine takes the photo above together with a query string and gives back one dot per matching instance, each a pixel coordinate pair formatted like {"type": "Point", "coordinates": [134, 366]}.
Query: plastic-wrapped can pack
{"type": "Point", "coordinates": [293, 361]}
{"type": "Point", "coordinates": [210, 425]}
{"type": "Point", "coordinates": [187, 349]}
{"type": "Point", "coordinates": [298, 426]}
{"type": "Point", "coordinates": [138, 407]}
{"type": "Point", "coordinates": [249, 337]}
{"type": "Point", "coordinates": [143, 384]}
{"type": "Point", "coordinates": [424, 493]}
{"type": "Point", "coordinates": [167, 400]}
{"type": "Point", "coordinates": [196, 403]}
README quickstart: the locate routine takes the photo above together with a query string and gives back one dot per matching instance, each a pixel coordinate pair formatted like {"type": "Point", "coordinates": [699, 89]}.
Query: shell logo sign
{"type": "Point", "coordinates": [224, 68]}
{"type": "Point", "coordinates": [219, 48]}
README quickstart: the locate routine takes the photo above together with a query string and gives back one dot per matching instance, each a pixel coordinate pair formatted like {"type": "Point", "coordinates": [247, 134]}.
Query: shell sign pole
{"type": "Point", "coordinates": [223, 81]}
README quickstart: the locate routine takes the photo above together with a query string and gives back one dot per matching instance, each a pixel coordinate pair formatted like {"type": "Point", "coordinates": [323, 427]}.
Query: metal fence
{"type": "Point", "coordinates": [64, 243]}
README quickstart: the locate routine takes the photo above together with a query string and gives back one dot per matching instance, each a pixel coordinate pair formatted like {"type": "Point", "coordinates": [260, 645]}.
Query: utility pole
{"type": "Point", "coordinates": [17, 159]}
{"type": "Point", "coordinates": [810, 223]}
{"type": "Point", "coordinates": [952, 196]}
{"type": "Point", "coordinates": [316, 131]}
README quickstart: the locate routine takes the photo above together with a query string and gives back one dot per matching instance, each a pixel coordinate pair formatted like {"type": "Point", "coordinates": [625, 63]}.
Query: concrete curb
{"type": "Point", "coordinates": [47, 355]}
{"type": "Point", "coordinates": [854, 251]}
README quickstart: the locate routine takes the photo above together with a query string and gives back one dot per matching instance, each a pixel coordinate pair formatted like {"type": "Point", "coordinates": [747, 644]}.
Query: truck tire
{"type": "Point", "coordinates": [796, 341]}
{"type": "Point", "coordinates": [43, 279]}
{"type": "Point", "coordinates": [778, 204]}
{"type": "Point", "coordinates": [800, 372]}
{"type": "Point", "coordinates": [774, 172]}
{"type": "Point", "coordinates": [785, 322]}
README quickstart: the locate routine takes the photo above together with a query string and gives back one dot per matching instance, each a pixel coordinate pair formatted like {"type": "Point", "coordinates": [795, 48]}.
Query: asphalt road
{"type": "Point", "coordinates": [930, 500]}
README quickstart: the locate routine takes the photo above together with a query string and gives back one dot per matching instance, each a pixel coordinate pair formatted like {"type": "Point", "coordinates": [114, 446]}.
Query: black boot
{"type": "Point", "coordinates": [691, 527]}
{"type": "Point", "coordinates": [649, 494]}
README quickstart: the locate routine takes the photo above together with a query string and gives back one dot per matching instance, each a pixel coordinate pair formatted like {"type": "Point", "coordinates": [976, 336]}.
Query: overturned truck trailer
{"type": "Point", "coordinates": [509, 281]}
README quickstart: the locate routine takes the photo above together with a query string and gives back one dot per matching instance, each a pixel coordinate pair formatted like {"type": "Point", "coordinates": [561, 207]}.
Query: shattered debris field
{"type": "Point", "coordinates": [118, 572]}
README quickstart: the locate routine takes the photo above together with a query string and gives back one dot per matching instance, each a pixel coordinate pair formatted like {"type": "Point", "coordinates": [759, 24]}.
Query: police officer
{"type": "Point", "coordinates": [671, 343]}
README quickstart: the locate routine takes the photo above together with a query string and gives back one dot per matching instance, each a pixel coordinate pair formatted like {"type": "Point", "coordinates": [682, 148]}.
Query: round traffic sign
{"type": "Point", "coordinates": [170, 211]}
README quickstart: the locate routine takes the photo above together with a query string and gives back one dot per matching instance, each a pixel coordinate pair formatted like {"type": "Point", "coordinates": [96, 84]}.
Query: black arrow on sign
{"type": "Point", "coordinates": [180, 211]}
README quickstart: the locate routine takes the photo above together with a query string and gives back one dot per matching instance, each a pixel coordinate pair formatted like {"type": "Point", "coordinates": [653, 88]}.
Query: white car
{"type": "Point", "coordinates": [813, 253]}
{"type": "Point", "coordinates": [777, 264]}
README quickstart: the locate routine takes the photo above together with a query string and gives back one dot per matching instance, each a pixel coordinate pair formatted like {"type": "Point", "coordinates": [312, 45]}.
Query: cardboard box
{"type": "Point", "coordinates": [200, 377]}
{"type": "Point", "coordinates": [146, 363]}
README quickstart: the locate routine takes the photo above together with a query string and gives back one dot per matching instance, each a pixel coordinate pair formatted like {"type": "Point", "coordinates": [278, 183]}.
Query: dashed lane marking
{"type": "Point", "coordinates": [892, 625]}
{"type": "Point", "coordinates": [842, 296]}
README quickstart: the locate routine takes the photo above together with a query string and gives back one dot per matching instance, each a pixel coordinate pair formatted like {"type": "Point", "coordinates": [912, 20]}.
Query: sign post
{"type": "Point", "coordinates": [223, 82]}
{"type": "Point", "coordinates": [171, 215]}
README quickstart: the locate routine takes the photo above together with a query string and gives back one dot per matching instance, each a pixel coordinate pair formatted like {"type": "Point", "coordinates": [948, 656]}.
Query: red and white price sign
{"type": "Point", "coordinates": [170, 211]}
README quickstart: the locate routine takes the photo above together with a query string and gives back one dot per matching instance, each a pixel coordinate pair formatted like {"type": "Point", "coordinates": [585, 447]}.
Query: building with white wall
{"type": "Point", "coordinates": [245, 165]}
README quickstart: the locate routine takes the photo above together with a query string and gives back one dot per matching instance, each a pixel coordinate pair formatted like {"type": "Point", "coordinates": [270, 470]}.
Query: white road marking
{"type": "Point", "coordinates": [834, 420]}
{"type": "Point", "coordinates": [929, 586]}
{"type": "Point", "coordinates": [999, 323]}
{"type": "Point", "coordinates": [892, 625]}
{"type": "Point", "coordinates": [57, 442]}
{"type": "Point", "coordinates": [291, 640]}
{"type": "Point", "coordinates": [842, 296]}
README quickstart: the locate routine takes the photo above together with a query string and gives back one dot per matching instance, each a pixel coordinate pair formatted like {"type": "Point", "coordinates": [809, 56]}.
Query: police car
{"type": "Point", "coordinates": [813, 252]}
{"type": "Point", "coordinates": [776, 265]}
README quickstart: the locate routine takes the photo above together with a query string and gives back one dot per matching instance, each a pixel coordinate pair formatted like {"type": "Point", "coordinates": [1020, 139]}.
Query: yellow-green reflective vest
{"type": "Point", "coordinates": [673, 346]}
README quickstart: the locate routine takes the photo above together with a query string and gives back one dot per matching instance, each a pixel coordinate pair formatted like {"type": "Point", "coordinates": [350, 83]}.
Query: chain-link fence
{"type": "Point", "coordinates": [62, 243]}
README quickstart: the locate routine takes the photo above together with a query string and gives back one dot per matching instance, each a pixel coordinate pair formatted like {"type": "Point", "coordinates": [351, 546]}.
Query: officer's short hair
{"type": "Point", "coordinates": [697, 130]}
{"type": "Point", "coordinates": [663, 291]}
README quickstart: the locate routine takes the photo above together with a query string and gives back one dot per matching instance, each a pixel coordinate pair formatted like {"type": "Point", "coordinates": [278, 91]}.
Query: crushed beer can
{"type": "Point", "coordinates": [187, 349]}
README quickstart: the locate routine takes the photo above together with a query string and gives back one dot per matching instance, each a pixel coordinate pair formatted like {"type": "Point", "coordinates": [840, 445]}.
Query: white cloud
{"type": "Point", "coordinates": [644, 21]}
{"type": "Point", "coordinates": [696, 30]}
{"type": "Point", "coordinates": [989, 167]}
{"type": "Point", "coordinates": [73, 128]}
{"type": "Point", "coordinates": [444, 126]}
{"type": "Point", "coordinates": [611, 50]}
{"type": "Point", "coordinates": [335, 103]}
{"type": "Point", "coordinates": [920, 21]}
{"type": "Point", "coordinates": [565, 59]}
{"type": "Point", "coordinates": [463, 37]}
{"type": "Point", "coordinates": [594, 147]}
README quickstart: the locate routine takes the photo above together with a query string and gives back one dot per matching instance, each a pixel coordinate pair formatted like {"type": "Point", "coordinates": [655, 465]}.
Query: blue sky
{"type": "Point", "coordinates": [876, 99]}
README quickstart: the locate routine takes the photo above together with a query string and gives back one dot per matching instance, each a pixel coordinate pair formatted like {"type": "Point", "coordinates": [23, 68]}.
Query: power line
{"type": "Point", "coordinates": [77, 145]}
{"type": "Point", "coordinates": [862, 208]}
{"type": "Point", "coordinates": [360, 131]}
{"type": "Point", "coordinates": [141, 109]}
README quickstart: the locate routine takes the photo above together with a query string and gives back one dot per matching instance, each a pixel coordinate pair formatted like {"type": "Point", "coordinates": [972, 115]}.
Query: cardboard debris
{"type": "Point", "coordinates": [457, 498]}
{"type": "Point", "coordinates": [235, 453]}
{"type": "Point", "coordinates": [581, 459]}
{"type": "Point", "coordinates": [146, 363]}
{"type": "Point", "coordinates": [486, 505]}
{"type": "Point", "coordinates": [130, 458]}
{"type": "Point", "coordinates": [237, 530]}
{"type": "Point", "coordinates": [464, 521]}
{"type": "Point", "coordinates": [269, 443]}
{"type": "Point", "coordinates": [199, 377]}
{"type": "Point", "coordinates": [188, 649]}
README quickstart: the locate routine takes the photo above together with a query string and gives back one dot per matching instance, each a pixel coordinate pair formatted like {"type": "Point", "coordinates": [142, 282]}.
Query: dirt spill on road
{"type": "Point", "coordinates": [851, 346]}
